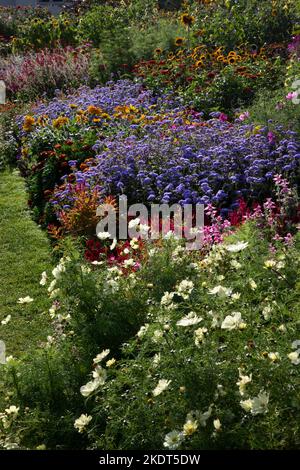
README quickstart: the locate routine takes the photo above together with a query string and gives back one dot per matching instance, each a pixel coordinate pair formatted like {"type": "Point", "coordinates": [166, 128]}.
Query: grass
{"type": "Point", "coordinates": [24, 255]}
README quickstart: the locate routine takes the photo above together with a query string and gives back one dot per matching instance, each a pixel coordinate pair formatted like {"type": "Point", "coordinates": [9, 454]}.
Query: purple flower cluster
{"type": "Point", "coordinates": [172, 162]}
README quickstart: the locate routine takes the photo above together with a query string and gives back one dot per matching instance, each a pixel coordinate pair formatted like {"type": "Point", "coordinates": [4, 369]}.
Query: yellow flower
{"type": "Point", "coordinates": [158, 51]}
{"type": "Point", "coordinates": [29, 122]}
{"type": "Point", "coordinates": [60, 122]}
{"type": "Point", "coordinates": [179, 41]}
{"type": "Point", "coordinates": [187, 20]}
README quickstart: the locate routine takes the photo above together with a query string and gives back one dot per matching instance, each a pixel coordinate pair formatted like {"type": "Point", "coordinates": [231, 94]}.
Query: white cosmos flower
{"type": "Point", "coordinates": [162, 385]}
{"type": "Point", "coordinates": [142, 331]}
{"type": "Point", "coordinates": [220, 291]}
{"type": "Point", "coordinates": [243, 381]}
{"type": "Point", "coordinates": [233, 321]}
{"type": "Point", "coordinates": [217, 424]}
{"type": "Point", "coordinates": [256, 405]}
{"type": "Point", "coordinates": [296, 344]}
{"type": "Point", "coordinates": [134, 243]}
{"type": "Point", "coordinates": [6, 320]}
{"type": "Point", "coordinates": [189, 320]}
{"type": "Point", "coordinates": [203, 417]}
{"type": "Point", "coordinates": [44, 278]}
{"type": "Point", "coordinates": [103, 235]}
{"type": "Point", "coordinates": [173, 440]}
{"type": "Point", "coordinates": [185, 288]}
{"type": "Point", "coordinates": [167, 298]}
{"type": "Point", "coordinates": [239, 246]}
{"type": "Point", "coordinates": [134, 223]}
{"type": "Point", "coordinates": [101, 356]}
{"type": "Point", "coordinates": [81, 422]}
{"type": "Point", "coordinates": [199, 335]}
{"type": "Point", "coordinates": [128, 263]}
{"type": "Point", "coordinates": [99, 375]}
{"type": "Point", "coordinates": [89, 388]}
{"type": "Point", "coordinates": [12, 410]}
{"type": "Point", "coordinates": [25, 300]}
{"type": "Point", "coordinates": [294, 357]}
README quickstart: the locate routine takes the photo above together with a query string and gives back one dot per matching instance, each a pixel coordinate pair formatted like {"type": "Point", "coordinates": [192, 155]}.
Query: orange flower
{"type": "Point", "coordinates": [60, 122]}
{"type": "Point", "coordinates": [179, 41]}
{"type": "Point", "coordinates": [94, 110]}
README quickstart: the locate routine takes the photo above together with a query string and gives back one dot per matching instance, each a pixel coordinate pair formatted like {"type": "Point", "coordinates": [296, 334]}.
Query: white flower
{"type": "Point", "coordinates": [82, 422]}
{"type": "Point", "coordinates": [269, 264]}
{"type": "Point", "coordinates": [233, 321]}
{"type": "Point", "coordinates": [236, 296]}
{"type": "Point", "coordinates": [253, 284]}
{"type": "Point", "coordinates": [44, 278]}
{"type": "Point", "coordinates": [6, 320]}
{"type": "Point", "coordinates": [167, 298]}
{"type": "Point", "coordinates": [52, 286]}
{"type": "Point", "coordinates": [12, 410]}
{"type": "Point", "coordinates": [142, 331]}
{"type": "Point", "coordinates": [199, 335]}
{"type": "Point", "coordinates": [266, 312]}
{"type": "Point", "coordinates": [173, 440]}
{"type": "Point", "coordinates": [128, 263]}
{"type": "Point", "coordinates": [60, 268]}
{"type": "Point", "coordinates": [134, 223]}
{"type": "Point", "coordinates": [203, 417]}
{"type": "Point", "coordinates": [157, 336]}
{"type": "Point", "coordinates": [97, 263]}
{"type": "Point", "coordinates": [144, 229]}
{"type": "Point", "coordinates": [235, 264]}
{"type": "Point", "coordinates": [244, 380]}
{"type": "Point", "coordinates": [25, 300]}
{"type": "Point", "coordinates": [296, 344]}
{"type": "Point", "coordinates": [260, 403]}
{"type": "Point", "coordinates": [220, 291]}
{"type": "Point", "coordinates": [189, 320]}
{"type": "Point", "coordinates": [217, 424]}
{"type": "Point", "coordinates": [103, 235]}
{"type": "Point", "coordinates": [190, 427]}
{"type": "Point", "coordinates": [246, 405]}
{"type": "Point", "coordinates": [156, 359]}
{"type": "Point", "coordinates": [294, 357]}
{"type": "Point", "coordinates": [111, 362]}
{"type": "Point", "coordinates": [101, 356]}
{"type": "Point", "coordinates": [99, 375]}
{"type": "Point", "coordinates": [89, 388]}
{"type": "Point", "coordinates": [114, 244]}
{"type": "Point", "coordinates": [162, 385]}
{"type": "Point", "coordinates": [185, 288]}
{"type": "Point", "coordinates": [134, 243]}
{"type": "Point", "coordinates": [274, 356]}
{"type": "Point", "coordinates": [256, 405]}
{"type": "Point", "coordinates": [239, 246]}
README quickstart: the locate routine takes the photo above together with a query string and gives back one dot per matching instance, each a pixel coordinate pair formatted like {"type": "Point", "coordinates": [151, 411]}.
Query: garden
{"type": "Point", "coordinates": [135, 342]}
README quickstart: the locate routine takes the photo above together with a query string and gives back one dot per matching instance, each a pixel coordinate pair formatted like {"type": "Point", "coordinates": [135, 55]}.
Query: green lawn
{"type": "Point", "coordinates": [24, 255]}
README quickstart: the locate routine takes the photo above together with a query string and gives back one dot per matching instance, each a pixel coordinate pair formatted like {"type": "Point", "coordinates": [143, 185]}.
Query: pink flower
{"type": "Point", "coordinates": [291, 95]}
{"type": "Point", "coordinates": [244, 116]}
{"type": "Point", "coordinates": [223, 117]}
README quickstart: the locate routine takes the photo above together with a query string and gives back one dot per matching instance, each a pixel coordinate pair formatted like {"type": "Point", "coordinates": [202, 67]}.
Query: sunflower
{"type": "Point", "coordinates": [158, 51]}
{"type": "Point", "coordinates": [179, 41]}
{"type": "Point", "coordinates": [232, 60]}
{"type": "Point", "coordinates": [199, 63]}
{"type": "Point", "coordinates": [187, 20]}
{"type": "Point", "coordinates": [94, 110]}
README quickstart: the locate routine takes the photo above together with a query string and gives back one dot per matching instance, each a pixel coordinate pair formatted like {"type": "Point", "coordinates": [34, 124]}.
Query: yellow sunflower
{"type": "Point", "coordinates": [179, 41]}
{"type": "Point", "coordinates": [187, 20]}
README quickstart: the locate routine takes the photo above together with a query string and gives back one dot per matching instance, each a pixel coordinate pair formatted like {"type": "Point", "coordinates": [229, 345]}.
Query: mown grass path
{"type": "Point", "coordinates": [24, 255]}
